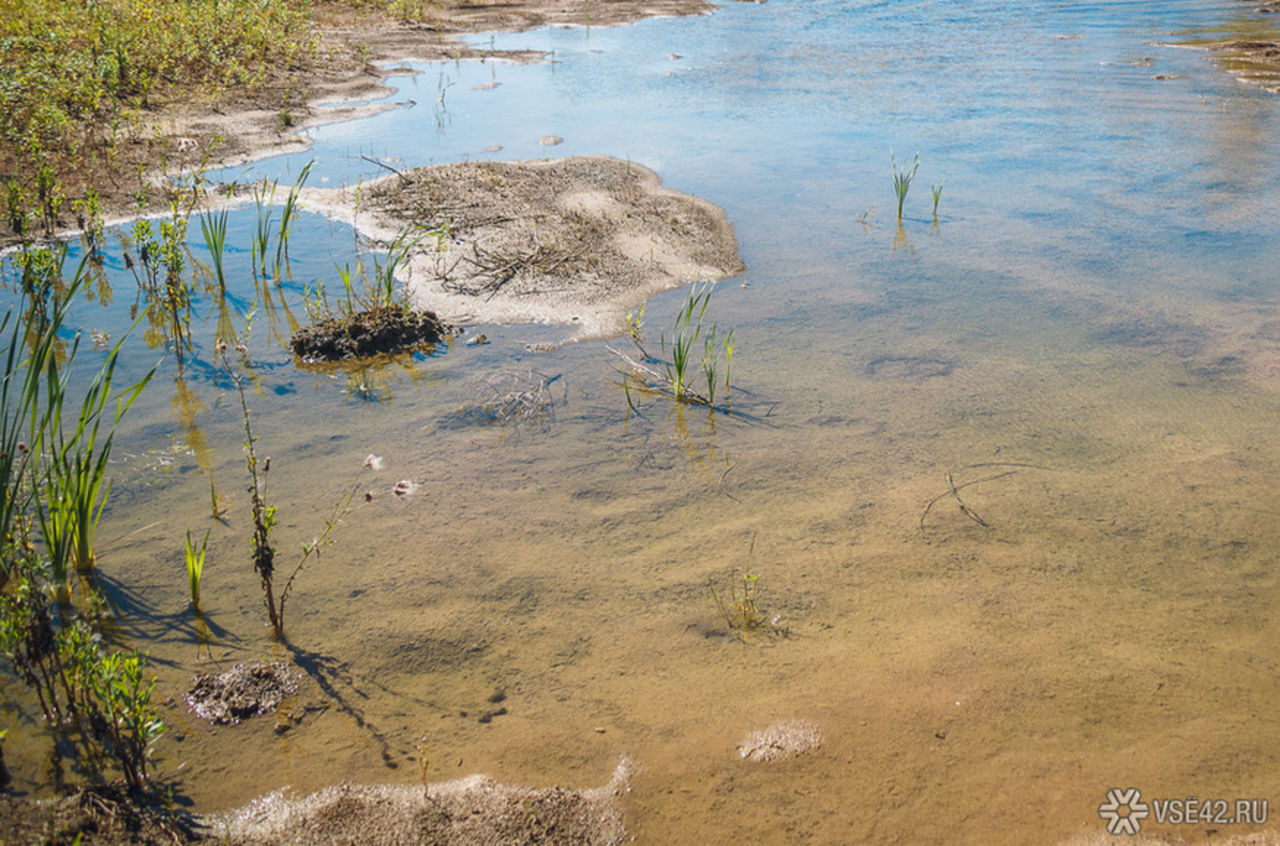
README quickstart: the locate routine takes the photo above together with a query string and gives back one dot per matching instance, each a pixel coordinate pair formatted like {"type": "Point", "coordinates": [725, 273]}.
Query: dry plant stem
{"type": "Point", "coordinates": [953, 490]}
{"type": "Point", "coordinates": [689, 396]}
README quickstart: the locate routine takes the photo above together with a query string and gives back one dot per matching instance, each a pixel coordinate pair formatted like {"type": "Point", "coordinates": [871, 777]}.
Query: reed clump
{"type": "Point", "coordinates": [95, 700]}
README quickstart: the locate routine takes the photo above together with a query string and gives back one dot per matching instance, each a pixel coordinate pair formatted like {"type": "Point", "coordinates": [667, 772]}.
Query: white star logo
{"type": "Point", "coordinates": [1124, 811]}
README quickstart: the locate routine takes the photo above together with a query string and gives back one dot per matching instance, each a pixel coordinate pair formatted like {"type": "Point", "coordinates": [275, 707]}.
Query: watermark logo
{"type": "Point", "coordinates": [1124, 811]}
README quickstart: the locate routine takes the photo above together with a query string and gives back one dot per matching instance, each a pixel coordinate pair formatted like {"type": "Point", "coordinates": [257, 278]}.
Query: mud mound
{"type": "Point", "coordinates": [476, 811]}
{"type": "Point", "coordinates": [242, 691]}
{"type": "Point", "coordinates": [390, 329]}
{"type": "Point", "coordinates": [578, 241]}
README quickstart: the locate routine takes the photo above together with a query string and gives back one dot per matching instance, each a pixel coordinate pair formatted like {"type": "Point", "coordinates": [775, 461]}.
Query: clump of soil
{"type": "Point", "coordinates": [473, 810]}
{"type": "Point", "coordinates": [242, 691]}
{"type": "Point", "coordinates": [578, 241]}
{"type": "Point", "coordinates": [388, 329]}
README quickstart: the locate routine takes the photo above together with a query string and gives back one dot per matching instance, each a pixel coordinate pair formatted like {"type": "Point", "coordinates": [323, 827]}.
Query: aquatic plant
{"type": "Point", "coordinates": [683, 336]}
{"type": "Point", "coordinates": [95, 702]}
{"type": "Point", "coordinates": [264, 518]}
{"type": "Point", "coordinates": [213, 226]}
{"type": "Point", "coordinates": [902, 178]}
{"type": "Point", "coordinates": [263, 197]}
{"type": "Point", "coordinates": [739, 605]}
{"type": "Point", "coordinates": [195, 567]}
{"type": "Point", "coordinates": [936, 191]}
{"type": "Point", "coordinates": [287, 217]}
{"type": "Point", "coordinates": [159, 270]}
{"type": "Point", "coordinates": [680, 373]}
{"type": "Point", "coordinates": [69, 480]}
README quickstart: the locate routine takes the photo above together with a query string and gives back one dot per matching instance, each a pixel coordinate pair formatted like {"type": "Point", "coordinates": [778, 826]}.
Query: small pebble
{"type": "Point", "coordinates": [551, 140]}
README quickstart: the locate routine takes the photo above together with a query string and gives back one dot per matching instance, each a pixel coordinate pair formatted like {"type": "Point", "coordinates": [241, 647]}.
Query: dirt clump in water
{"type": "Point", "coordinates": [578, 241]}
{"type": "Point", "coordinates": [376, 331]}
{"type": "Point", "coordinates": [243, 691]}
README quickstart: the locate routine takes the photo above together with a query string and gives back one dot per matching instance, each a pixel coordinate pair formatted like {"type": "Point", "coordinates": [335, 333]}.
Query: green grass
{"type": "Point", "coordinates": [902, 178]}
{"type": "Point", "coordinates": [213, 226]}
{"type": "Point", "coordinates": [195, 567]}
{"type": "Point", "coordinates": [75, 76]}
{"type": "Point", "coordinates": [53, 456]}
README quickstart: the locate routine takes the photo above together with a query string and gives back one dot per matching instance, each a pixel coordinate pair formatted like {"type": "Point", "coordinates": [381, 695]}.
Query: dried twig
{"type": "Point", "coordinates": [953, 490]}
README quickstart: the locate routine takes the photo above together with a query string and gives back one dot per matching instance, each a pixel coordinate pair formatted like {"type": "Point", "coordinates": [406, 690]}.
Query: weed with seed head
{"type": "Point", "coordinates": [739, 606]}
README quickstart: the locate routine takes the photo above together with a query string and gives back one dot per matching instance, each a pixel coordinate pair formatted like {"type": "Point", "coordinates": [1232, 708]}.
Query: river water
{"type": "Point", "coordinates": [1083, 348]}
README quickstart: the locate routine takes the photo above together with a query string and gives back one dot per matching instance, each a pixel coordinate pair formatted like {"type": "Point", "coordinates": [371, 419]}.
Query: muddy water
{"type": "Point", "coordinates": [1086, 347]}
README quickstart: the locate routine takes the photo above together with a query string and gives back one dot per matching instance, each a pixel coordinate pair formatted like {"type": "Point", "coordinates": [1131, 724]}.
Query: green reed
{"type": "Point", "coordinates": [213, 226]}
{"type": "Point", "coordinates": [195, 567]}
{"type": "Point", "coordinates": [902, 178]}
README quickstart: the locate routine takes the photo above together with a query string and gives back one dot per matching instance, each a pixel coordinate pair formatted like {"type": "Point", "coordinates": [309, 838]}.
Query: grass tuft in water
{"type": "Point", "coordinates": [739, 605]}
{"type": "Point", "coordinates": [902, 178]}
{"type": "Point", "coordinates": [95, 702]}
{"type": "Point", "coordinates": [689, 335]}
{"type": "Point", "coordinates": [195, 567]}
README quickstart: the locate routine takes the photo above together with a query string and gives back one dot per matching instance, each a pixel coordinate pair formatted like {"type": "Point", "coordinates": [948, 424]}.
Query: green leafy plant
{"type": "Point", "coordinates": [96, 702]}
{"type": "Point", "coordinates": [195, 567]}
{"type": "Point", "coordinates": [936, 191]}
{"type": "Point", "coordinates": [902, 178]}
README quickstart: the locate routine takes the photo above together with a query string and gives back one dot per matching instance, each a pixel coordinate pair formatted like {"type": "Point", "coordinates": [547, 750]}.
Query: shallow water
{"type": "Point", "coordinates": [1085, 345]}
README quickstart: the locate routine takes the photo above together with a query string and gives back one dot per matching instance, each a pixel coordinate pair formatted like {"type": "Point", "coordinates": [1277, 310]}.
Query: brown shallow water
{"type": "Point", "coordinates": [1086, 348]}
{"type": "Point", "coordinates": [1110, 625]}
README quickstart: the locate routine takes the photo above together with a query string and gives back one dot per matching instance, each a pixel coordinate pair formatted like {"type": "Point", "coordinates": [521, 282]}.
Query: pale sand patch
{"type": "Point", "coordinates": [780, 741]}
{"type": "Point", "coordinates": [475, 810]}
